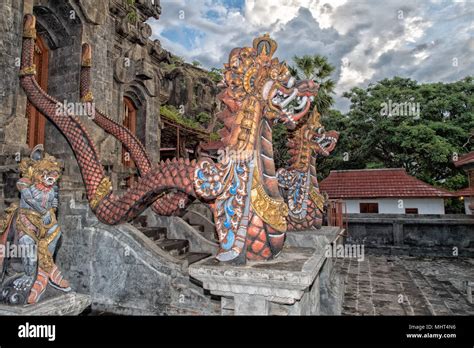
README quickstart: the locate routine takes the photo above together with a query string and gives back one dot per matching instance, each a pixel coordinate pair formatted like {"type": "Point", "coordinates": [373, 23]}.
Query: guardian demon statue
{"type": "Point", "coordinates": [242, 190]}
{"type": "Point", "coordinates": [33, 228]}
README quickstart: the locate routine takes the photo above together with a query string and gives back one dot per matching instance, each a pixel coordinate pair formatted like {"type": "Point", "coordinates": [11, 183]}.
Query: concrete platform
{"type": "Point", "coordinates": [66, 304]}
{"type": "Point", "coordinates": [289, 285]}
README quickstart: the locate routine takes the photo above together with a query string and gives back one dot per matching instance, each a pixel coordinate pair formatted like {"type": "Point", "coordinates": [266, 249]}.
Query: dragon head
{"type": "Point", "coordinates": [256, 81]}
{"type": "Point", "coordinates": [323, 142]}
{"type": "Point", "coordinates": [308, 140]}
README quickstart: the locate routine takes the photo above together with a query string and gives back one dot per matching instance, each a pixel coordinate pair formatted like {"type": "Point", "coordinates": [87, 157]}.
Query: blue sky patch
{"type": "Point", "coordinates": [186, 36]}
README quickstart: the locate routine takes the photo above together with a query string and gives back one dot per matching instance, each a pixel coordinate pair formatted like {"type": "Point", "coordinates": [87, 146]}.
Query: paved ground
{"type": "Point", "coordinates": [403, 285]}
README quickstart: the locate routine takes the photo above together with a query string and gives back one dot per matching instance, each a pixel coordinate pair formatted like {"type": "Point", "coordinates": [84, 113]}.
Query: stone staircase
{"type": "Point", "coordinates": [139, 268]}
{"type": "Point", "coordinates": [201, 223]}
{"type": "Point", "coordinates": [178, 248]}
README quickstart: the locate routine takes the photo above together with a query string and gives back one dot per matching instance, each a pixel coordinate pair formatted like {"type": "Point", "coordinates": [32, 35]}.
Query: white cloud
{"type": "Point", "coordinates": [366, 39]}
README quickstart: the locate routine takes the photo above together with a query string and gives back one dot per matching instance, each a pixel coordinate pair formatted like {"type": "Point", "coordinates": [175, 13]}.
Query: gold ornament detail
{"type": "Point", "coordinates": [5, 220]}
{"type": "Point", "coordinates": [29, 28]}
{"type": "Point", "coordinates": [45, 258]}
{"type": "Point", "coordinates": [248, 80]}
{"type": "Point", "coordinates": [29, 70]}
{"type": "Point", "coordinates": [272, 211]}
{"type": "Point", "coordinates": [104, 188]}
{"type": "Point", "coordinates": [87, 63]}
{"type": "Point", "coordinates": [317, 198]}
{"type": "Point", "coordinates": [88, 98]}
{"type": "Point", "coordinates": [264, 45]}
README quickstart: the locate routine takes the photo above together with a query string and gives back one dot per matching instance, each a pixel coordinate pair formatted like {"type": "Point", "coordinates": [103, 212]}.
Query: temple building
{"type": "Point", "coordinates": [133, 80]}
{"type": "Point", "coordinates": [168, 104]}
{"type": "Point", "coordinates": [384, 191]}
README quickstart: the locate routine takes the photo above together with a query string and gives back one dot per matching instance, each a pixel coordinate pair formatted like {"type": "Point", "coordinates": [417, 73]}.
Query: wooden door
{"type": "Point", "coordinates": [36, 120]}
{"type": "Point", "coordinates": [130, 122]}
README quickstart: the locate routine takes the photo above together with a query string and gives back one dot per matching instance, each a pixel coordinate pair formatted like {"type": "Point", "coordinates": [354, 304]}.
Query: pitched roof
{"type": "Point", "coordinates": [465, 192]}
{"type": "Point", "coordinates": [465, 159]}
{"type": "Point", "coordinates": [378, 183]}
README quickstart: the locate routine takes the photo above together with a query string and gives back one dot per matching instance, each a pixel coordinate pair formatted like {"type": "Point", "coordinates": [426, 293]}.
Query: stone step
{"type": "Point", "coordinates": [192, 257]}
{"type": "Point", "coordinates": [154, 233]}
{"type": "Point", "coordinates": [140, 221]}
{"type": "Point", "coordinates": [199, 228]}
{"type": "Point", "coordinates": [174, 246]}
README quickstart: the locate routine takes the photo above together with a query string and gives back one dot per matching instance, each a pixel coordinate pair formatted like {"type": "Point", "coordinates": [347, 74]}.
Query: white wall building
{"type": "Point", "coordinates": [384, 191]}
{"type": "Point", "coordinates": [398, 206]}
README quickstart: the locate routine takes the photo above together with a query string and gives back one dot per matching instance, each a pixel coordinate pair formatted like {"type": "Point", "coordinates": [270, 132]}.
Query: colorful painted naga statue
{"type": "Point", "coordinates": [250, 214]}
{"type": "Point", "coordinates": [298, 182]}
{"type": "Point", "coordinates": [32, 227]}
{"type": "Point", "coordinates": [242, 189]}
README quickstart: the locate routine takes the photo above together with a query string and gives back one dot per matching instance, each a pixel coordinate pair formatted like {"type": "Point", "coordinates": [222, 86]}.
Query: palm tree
{"type": "Point", "coordinates": [318, 69]}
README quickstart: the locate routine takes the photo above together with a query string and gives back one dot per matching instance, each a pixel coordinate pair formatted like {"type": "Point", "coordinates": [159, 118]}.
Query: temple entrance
{"type": "Point", "coordinates": [36, 121]}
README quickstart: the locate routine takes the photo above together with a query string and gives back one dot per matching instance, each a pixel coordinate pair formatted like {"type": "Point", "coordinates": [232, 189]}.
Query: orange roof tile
{"type": "Point", "coordinates": [466, 192]}
{"type": "Point", "coordinates": [378, 183]}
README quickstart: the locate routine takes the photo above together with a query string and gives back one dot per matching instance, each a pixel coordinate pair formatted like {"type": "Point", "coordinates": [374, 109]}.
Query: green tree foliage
{"type": "Point", "coordinates": [280, 146]}
{"type": "Point", "coordinates": [215, 75]}
{"type": "Point", "coordinates": [424, 143]}
{"type": "Point", "coordinates": [132, 14]}
{"type": "Point", "coordinates": [177, 60]}
{"type": "Point", "coordinates": [203, 118]}
{"type": "Point", "coordinates": [170, 112]}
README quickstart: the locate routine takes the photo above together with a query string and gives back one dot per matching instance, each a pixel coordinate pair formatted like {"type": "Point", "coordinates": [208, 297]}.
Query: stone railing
{"type": "Point", "coordinates": [437, 235]}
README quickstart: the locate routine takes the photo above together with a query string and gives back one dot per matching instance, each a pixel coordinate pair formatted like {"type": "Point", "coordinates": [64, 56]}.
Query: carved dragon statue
{"type": "Point", "coordinates": [298, 182]}
{"type": "Point", "coordinates": [248, 208]}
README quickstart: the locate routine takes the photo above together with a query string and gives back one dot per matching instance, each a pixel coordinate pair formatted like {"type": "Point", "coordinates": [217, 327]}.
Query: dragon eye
{"type": "Point", "coordinates": [321, 130]}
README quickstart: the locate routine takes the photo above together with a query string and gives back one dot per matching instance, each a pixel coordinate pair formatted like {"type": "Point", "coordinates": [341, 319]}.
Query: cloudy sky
{"type": "Point", "coordinates": [366, 40]}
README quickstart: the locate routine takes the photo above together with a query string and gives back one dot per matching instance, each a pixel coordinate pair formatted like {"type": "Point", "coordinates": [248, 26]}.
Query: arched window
{"type": "Point", "coordinates": [36, 121]}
